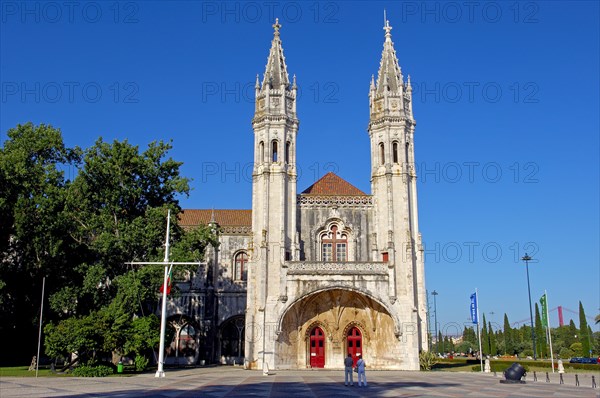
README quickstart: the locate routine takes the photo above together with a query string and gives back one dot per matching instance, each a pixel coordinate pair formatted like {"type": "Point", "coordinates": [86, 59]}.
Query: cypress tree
{"type": "Point", "coordinates": [485, 346]}
{"type": "Point", "coordinates": [492, 339]}
{"type": "Point", "coordinates": [509, 346]}
{"type": "Point", "coordinates": [584, 337]}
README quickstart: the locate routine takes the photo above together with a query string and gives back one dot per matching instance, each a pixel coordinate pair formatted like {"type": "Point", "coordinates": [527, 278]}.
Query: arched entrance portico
{"type": "Point", "coordinates": [342, 321]}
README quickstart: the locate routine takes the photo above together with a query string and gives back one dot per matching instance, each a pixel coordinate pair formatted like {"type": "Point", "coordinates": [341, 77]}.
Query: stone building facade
{"type": "Point", "coordinates": [301, 280]}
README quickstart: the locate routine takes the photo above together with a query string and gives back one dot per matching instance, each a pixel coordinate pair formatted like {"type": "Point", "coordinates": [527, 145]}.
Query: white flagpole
{"type": "Point", "coordinates": [37, 359]}
{"type": "Point", "coordinates": [479, 330]}
{"type": "Point", "coordinates": [548, 330]}
{"type": "Point", "coordinates": [163, 316]}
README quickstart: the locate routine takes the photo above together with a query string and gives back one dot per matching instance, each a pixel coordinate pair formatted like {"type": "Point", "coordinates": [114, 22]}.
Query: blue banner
{"type": "Point", "coordinates": [474, 308]}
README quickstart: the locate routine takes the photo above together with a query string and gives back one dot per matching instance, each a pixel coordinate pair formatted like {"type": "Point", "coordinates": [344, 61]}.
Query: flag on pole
{"type": "Point", "coordinates": [474, 311]}
{"type": "Point", "coordinates": [169, 282]}
{"type": "Point", "coordinates": [544, 303]}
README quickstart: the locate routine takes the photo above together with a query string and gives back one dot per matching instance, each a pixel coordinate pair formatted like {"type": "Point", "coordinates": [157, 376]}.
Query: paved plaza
{"type": "Point", "coordinates": [236, 382]}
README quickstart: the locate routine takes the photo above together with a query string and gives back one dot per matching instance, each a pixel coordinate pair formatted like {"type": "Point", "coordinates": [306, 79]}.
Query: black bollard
{"type": "Point", "coordinates": [534, 376]}
{"type": "Point", "coordinates": [561, 381]}
{"type": "Point", "coordinates": [577, 380]}
{"type": "Point", "coordinates": [593, 382]}
{"type": "Point", "coordinates": [547, 378]}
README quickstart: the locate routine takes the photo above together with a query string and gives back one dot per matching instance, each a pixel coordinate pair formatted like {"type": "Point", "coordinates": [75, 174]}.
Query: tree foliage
{"type": "Point", "coordinates": [79, 233]}
{"type": "Point", "coordinates": [584, 334]}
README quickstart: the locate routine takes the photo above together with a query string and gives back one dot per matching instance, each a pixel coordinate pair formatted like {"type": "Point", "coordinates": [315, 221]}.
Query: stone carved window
{"type": "Point", "coordinates": [334, 245]}
{"type": "Point", "coordinates": [261, 152]}
{"type": "Point", "coordinates": [395, 151]}
{"type": "Point", "coordinates": [240, 266]}
{"type": "Point", "coordinates": [287, 151]}
{"type": "Point", "coordinates": [381, 153]}
{"type": "Point", "coordinates": [274, 150]}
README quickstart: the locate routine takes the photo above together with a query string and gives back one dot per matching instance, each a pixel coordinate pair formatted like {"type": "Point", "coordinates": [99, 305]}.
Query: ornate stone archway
{"type": "Point", "coordinates": [335, 311]}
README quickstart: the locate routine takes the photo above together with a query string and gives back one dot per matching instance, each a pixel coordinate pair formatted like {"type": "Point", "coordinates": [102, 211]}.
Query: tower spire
{"type": "Point", "coordinates": [389, 68]}
{"type": "Point", "coordinates": [276, 71]}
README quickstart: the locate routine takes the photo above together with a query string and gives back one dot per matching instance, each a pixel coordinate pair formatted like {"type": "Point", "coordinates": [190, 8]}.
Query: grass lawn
{"type": "Point", "coordinates": [22, 371]}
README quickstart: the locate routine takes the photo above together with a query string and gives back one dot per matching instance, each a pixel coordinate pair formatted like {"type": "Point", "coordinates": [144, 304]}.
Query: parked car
{"type": "Point", "coordinates": [584, 360]}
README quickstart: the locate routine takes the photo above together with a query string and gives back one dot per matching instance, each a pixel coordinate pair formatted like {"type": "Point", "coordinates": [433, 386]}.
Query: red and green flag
{"type": "Point", "coordinates": [169, 282]}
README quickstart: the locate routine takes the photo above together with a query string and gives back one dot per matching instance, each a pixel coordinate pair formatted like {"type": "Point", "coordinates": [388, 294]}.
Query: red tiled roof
{"type": "Point", "coordinates": [225, 218]}
{"type": "Point", "coordinates": [332, 185]}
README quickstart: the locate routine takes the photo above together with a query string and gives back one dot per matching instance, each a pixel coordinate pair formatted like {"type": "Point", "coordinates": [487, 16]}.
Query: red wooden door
{"type": "Point", "coordinates": [317, 348]}
{"type": "Point", "coordinates": [354, 344]}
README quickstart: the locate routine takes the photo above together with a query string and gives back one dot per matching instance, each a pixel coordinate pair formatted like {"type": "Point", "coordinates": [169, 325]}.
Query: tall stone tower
{"type": "Point", "coordinates": [393, 184]}
{"type": "Point", "coordinates": [274, 237]}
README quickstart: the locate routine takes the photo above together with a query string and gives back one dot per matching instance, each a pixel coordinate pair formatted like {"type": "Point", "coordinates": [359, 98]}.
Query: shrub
{"type": "Point", "coordinates": [499, 366]}
{"type": "Point", "coordinates": [427, 359]}
{"type": "Point", "coordinates": [140, 363]}
{"type": "Point", "coordinates": [92, 371]}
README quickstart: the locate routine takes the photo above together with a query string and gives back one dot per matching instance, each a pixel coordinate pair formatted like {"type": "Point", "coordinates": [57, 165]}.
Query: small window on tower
{"type": "Point", "coordinates": [381, 153]}
{"type": "Point", "coordinates": [395, 151]}
{"type": "Point", "coordinates": [274, 150]}
{"type": "Point", "coordinates": [287, 152]}
{"type": "Point", "coordinates": [261, 152]}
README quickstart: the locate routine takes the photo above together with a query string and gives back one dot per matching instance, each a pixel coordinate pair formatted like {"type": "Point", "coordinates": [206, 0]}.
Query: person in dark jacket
{"type": "Point", "coordinates": [348, 362]}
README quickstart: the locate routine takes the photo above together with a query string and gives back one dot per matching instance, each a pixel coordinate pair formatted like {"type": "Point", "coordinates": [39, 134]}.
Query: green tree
{"type": "Point", "coordinates": [492, 340]}
{"type": "Point", "coordinates": [34, 226]}
{"type": "Point", "coordinates": [509, 346]}
{"type": "Point", "coordinates": [584, 336]}
{"type": "Point", "coordinates": [485, 340]}
{"type": "Point", "coordinates": [469, 341]}
{"type": "Point", "coordinates": [79, 234]}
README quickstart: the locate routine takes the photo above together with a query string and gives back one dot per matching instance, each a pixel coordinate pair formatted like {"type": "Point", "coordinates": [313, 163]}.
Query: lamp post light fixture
{"type": "Point", "coordinates": [527, 259]}
{"type": "Point", "coordinates": [437, 343]}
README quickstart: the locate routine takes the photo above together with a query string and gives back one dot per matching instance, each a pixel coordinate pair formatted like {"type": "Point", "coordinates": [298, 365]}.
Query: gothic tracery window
{"type": "Point", "coordinates": [241, 266]}
{"type": "Point", "coordinates": [334, 245]}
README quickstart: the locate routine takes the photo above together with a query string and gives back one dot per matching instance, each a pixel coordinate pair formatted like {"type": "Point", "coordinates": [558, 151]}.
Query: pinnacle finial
{"type": "Point", "coordinates": [372, 82]}
{"type": "Point", "coordinates": [387, 28]}
{"type": "Point", "coordinates": [294, 82]}
{"type": "Point", "coordinates": [257, 85]}
{"type": "Point", "coordinates": [276, 26]}
{"type": "Point", "coordinates": [212, 216]}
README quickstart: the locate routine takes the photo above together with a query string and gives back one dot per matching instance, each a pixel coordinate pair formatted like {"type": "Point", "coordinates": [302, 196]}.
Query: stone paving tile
{"type": "Point", "coordinates": [231, 383]}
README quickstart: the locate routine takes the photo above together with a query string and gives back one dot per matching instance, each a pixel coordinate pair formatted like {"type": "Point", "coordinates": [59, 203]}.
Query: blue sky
{"type": "Point", "coordinates": [506, 98]}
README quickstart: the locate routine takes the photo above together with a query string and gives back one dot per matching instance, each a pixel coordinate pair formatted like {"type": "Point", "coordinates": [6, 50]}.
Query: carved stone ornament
{"type": "Point", "coordinates": [334, 268]}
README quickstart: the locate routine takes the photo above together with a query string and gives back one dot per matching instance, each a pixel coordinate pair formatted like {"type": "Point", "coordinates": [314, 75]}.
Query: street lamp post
{"type": "Point", "coordinates": [437, 343]}
{"type": "Point", "coordinates": [527, 259]}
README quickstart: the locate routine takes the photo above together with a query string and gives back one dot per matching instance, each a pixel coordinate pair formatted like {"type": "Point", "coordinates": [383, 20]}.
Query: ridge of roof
{"type": "Point", "coordinates": [333, 185]}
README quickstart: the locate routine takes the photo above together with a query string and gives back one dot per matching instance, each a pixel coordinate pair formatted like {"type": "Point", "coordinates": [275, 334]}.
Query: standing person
{"type": "Point", "coordinates": [348, 362]}
{"type": "Point", "coordinates": [361, 372]}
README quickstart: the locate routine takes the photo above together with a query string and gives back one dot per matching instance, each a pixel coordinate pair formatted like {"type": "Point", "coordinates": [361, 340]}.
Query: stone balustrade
{"type": "Point", "coordinates": [336, 268]}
